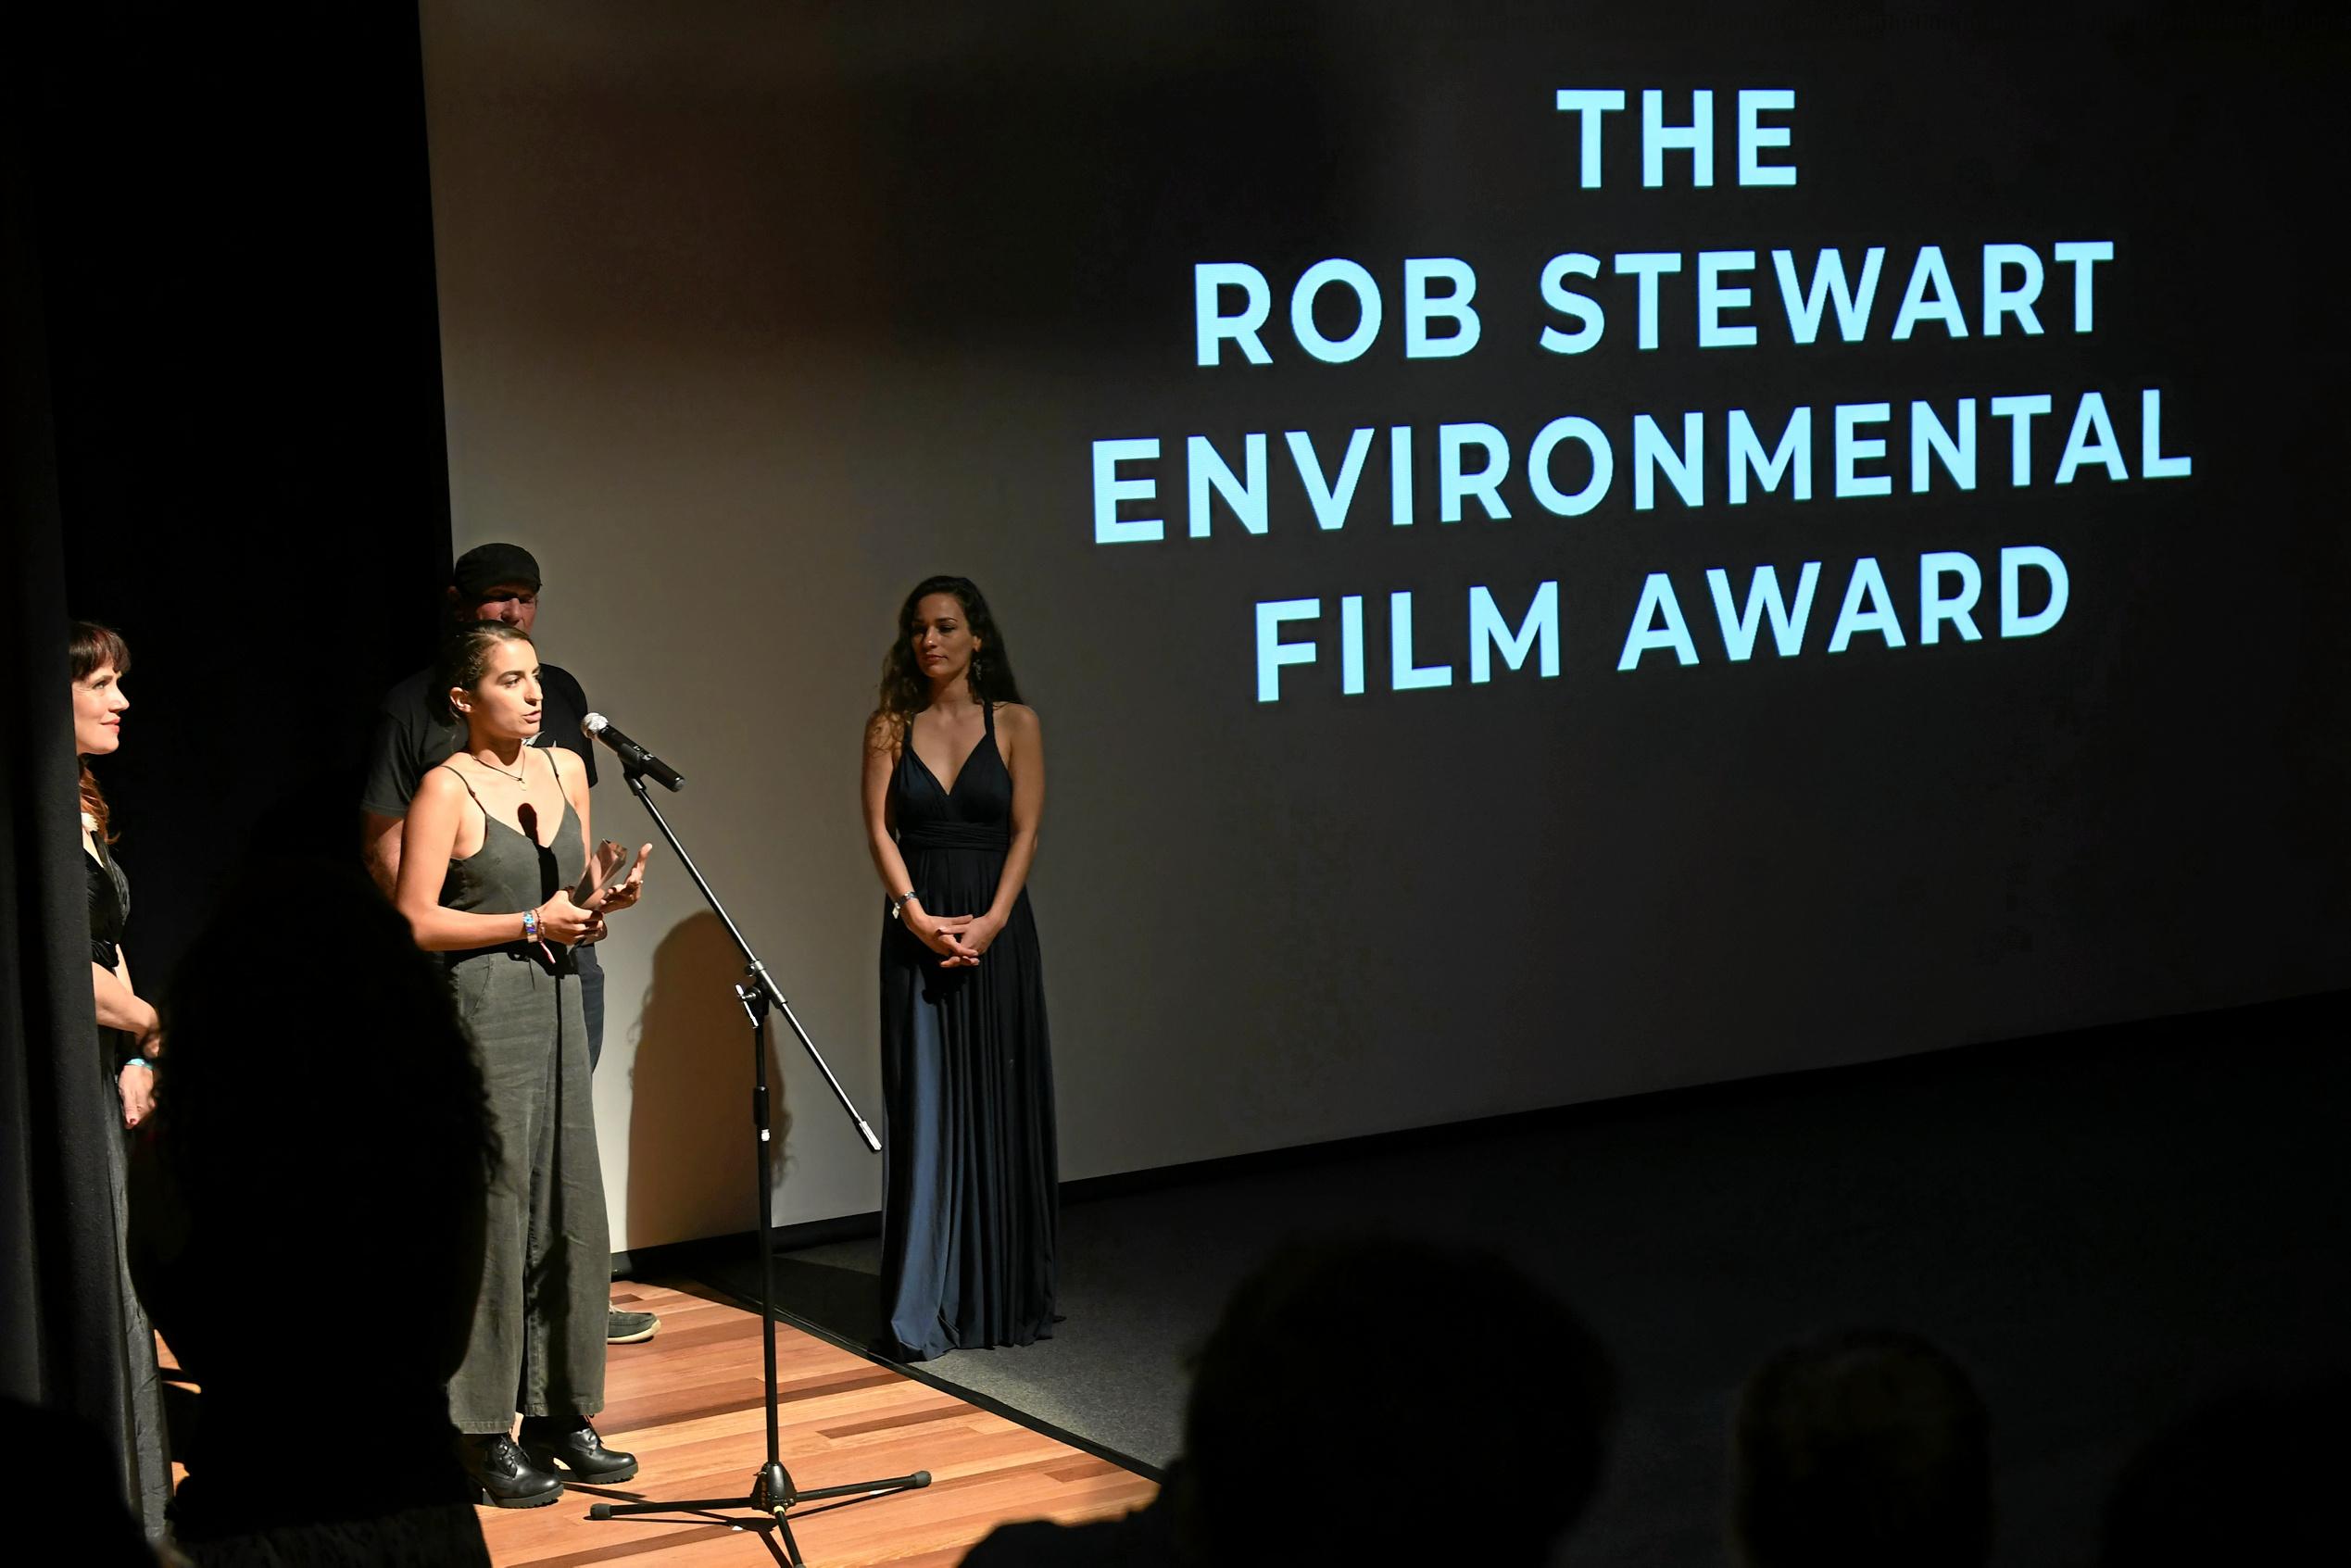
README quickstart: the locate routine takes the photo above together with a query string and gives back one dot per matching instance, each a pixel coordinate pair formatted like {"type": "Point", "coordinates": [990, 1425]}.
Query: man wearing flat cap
{"type": "Point", "coordinates": [414, 733]}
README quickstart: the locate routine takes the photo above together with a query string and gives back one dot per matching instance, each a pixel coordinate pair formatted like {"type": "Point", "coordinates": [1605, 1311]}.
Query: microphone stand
{"type": "Point", "coordinates": [773, 1492]}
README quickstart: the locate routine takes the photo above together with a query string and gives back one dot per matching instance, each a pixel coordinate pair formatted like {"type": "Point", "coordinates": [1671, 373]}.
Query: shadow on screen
{"type": "Point", "coordinates": [690, 1144]}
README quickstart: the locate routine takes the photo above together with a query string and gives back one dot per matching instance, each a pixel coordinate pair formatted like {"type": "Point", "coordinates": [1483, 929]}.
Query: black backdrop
{"type": "Point", "coordinates": [238, 252]}
{"type": "Point", "coordinates": [222, 434]}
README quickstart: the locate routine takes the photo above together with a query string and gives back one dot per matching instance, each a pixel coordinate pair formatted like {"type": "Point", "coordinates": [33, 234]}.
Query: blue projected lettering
{"type": "Point", "coordinates": [1540, 472]}
{"type": "Point", "coordinates": [1209, 473]}
{"type": "Point", "coordinates": [2152, 463]}
{"type": "Point", "coordinates": [2014, 563]}
{"type": "Point", "coordinates": [1591, 104]}
{"type": "Point", "coordinates": [1791, 459]}
{"type": "Point", "coordinates": [1653, 454]}
{"type": "Point", "coordinates": [1421, 307]}
{"type": "Point", "coordinates": [1272, 653]}
{"type": "Point", "coordinates": [1350, 644]}
{"type": "Point", "coordinates": [1754, 135]}
{"type": "Point", "coordinates": [1829, 285]}
{"type": "Point", "coordinates": [2020, 412]}
{"type": "Point", "coordinates": [1648, 266]}
{"type": "Point", "coordinates": [1590, 319]}
{"type": "Point", "coordinates": [2092, 440]}
{"type": "Point", "coordinates": [1475, 463]}
{"type": "Point", "coordinates": [1330, 498]}
{"type": "Point", "coordinates": [1854, 449]}
{"type": "Point", "coordinates": [1399, 475]}
{"type": "Point", "coordinates": [2034, 593]}
{"type": "Point", "coordinates": [1869, 608]}
{"type": "Point", "coordinates": [1932, 441]}
{"type": "Point", "coordinates": [1715, 297]}
{"type": "Point", "coordinates": [1110, 490]}
{"type": "Point", "coordinates": [1935, 608]}
{"type": "Point", "coordinates": [2000, 299]}
{"type": "Point", "coordinates": [1403, 675]}
{"type": "Point", "coordinates": [1214, 328]}
{"type": "Point", "coordinates": [1830, 282]}
{"type": "Point", "coordinates": [1739, 626]}
{"type": "Point", "coordinates": [1657, 624]}
{"type": "Point", "coordinates": [2081, 255]}
{"type": "Point", "coordinates": [1302, 311]}
{"type": "Point", "coordinates": [1657, 138]}
{"type": "Point", "coordinates": [1489, 634]}
{"type": "Point", "coordinates": [1456, 485]}
{"type": "Point", "coordinates": [1929, 274]}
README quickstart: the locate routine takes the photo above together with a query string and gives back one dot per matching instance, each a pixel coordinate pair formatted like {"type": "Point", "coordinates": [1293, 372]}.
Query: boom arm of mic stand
{"type": "Point", "coordinates": [751, 960]}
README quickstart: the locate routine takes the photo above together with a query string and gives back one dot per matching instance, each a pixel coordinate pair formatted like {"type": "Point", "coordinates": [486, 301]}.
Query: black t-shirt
{"type": "Point", "coordinates": [413, 734]}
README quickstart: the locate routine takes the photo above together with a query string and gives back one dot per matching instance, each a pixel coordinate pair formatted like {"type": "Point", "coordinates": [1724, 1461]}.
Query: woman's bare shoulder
{"type": "Point", "coordinates": [441, 782]}
{"type": "Point", "coordinates": [882, 731]}
{"type": "Point", "coordinates": [1019, 717]}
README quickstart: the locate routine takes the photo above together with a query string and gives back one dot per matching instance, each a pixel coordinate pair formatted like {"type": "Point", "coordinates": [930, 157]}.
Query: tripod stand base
{"type": "Point", "coordinates": [772, 1494]}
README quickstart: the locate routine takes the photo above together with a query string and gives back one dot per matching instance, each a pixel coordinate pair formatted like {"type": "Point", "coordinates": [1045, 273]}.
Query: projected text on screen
{"type": "Point", "coordinates": [1602, 461]}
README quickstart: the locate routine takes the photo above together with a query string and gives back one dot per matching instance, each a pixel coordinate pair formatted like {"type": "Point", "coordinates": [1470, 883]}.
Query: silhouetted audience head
{"type": "Point", "coordinates": [1860, 1451]}
{"type": "Point", "coordinates": [1357, 1392]}
{"type": "Point", "coordinates": [2250, 1477]}
{"type": "Point", "coordinates": [308, 1200]}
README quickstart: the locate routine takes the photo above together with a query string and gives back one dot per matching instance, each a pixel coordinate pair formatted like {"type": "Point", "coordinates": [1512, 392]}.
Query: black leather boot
{"type": "Point", "coordinates": [507, 1478]}
{"type": "Point", "coordinates": [573, 1444]}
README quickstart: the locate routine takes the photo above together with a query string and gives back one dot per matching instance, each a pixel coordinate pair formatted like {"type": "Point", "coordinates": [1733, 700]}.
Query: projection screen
{"type": "Point", "coordinates": [1559, 553]}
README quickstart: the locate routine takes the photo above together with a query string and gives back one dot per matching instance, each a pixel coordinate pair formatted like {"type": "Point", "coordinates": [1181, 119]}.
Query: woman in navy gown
{"type": "Point", "coordinates": [954, 784]}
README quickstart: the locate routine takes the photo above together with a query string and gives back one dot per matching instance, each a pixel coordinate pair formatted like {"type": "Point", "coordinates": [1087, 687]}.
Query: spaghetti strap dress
{"type": "Point", "coordinates": [971, 1197]}
{"type": "Point", "coordinates": [537, 1342]}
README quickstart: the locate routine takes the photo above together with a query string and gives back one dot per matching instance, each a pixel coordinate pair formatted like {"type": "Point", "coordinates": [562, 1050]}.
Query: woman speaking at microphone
{"type": "Point", "coordinates": [495, 843]}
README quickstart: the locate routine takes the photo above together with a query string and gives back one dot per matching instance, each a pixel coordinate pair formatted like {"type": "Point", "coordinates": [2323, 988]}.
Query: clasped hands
{"type": "Point", "coordinates": [959, 939]}
{"type": "Point", "coordinates": [134, 1081]}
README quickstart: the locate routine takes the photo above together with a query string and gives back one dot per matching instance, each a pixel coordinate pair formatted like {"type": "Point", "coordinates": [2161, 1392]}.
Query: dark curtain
{"type": "Point", "coordinates": [237, 259]}
{"type": "Point", "coordinates": [222, 432]}
{"type": "Point", "coordinates": [61, 1306]}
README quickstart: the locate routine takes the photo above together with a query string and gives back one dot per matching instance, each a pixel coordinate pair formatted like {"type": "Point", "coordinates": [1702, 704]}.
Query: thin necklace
{"type": "Point", "coordinates": [501, 772]}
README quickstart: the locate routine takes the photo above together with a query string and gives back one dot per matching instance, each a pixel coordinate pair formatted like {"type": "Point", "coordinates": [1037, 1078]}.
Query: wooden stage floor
{"type": "Point", "coordinates": [688, 1403]}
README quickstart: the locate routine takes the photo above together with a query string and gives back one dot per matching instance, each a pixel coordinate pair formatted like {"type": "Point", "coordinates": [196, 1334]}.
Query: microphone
{"type": "Point", "coordinates": [640, 761]}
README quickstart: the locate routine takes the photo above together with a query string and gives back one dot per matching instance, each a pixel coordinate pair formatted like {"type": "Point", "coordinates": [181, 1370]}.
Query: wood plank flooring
{"type": "Point", "coordinates": [690, 1404]}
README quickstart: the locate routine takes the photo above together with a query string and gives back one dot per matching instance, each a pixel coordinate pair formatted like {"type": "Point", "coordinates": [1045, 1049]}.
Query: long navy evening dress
{"type": "Point", "coordinates": [971, 1196]}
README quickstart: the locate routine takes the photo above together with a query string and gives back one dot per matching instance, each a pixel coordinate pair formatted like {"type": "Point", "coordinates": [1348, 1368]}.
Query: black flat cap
{"type": "Point", "coordinates": [485, 566]}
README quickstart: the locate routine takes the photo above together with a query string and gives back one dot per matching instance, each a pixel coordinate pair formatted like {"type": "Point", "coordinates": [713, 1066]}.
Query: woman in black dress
{"type": "Point", "coordinates": [954, 785]}
{"type": "Point", "coordinates": [127, 1025]}
{"type": "Point", "coordinates": [129, 1031]}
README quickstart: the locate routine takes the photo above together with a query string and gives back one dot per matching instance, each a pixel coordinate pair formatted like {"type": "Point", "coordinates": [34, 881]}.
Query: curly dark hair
{"type": "Point", "coordinates": [465, 656]}
{"type": "Point", "coordinates": [90, 649]}
{"type": "Point", "coordinates": [906, 691]}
